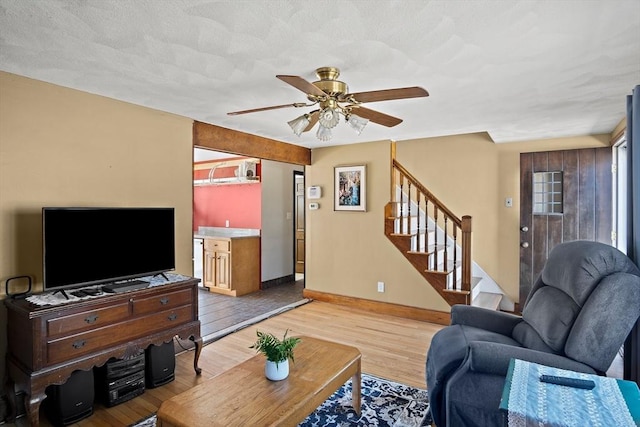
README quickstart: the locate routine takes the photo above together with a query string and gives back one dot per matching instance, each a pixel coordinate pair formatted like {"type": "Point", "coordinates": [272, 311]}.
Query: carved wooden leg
{"type": "Point", "coordinates": [32, 404]}
{"type": "Point", "coordinates": [198, 343]}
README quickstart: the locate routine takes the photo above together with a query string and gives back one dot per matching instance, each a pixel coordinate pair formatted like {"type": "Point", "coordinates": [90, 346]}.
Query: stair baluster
{"type": "Point", "coordinates": [445, 263]}
{"type": "Point", "coordinates": [454, 233]}
{"type": "Point", "coordinates": [401, 204]}
{"type": "Point", "coordinates": [434, 265]}
{"type": "Point", "coordinates": [409, 231]}
{"type": "Point", "coordinates": [418, 221]}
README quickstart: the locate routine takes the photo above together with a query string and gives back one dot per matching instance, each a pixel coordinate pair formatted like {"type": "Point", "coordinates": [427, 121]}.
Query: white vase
{"type": "Point", "coordinates": [276, 371]}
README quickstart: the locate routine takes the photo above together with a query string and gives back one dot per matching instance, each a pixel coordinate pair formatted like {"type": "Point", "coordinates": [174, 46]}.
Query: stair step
{"type": "Point", "coordinates": [413, 233]}
{"type": "Point", "coordinates": [430, 250]}
{"type": "Point", "coordinates": [457, 291]}
{"type": "Point", "coordinates": [441, 270]}
{"type": "Point", "coordinates": [487, 300]}
{"type": "Point", "coordinates": [450, 265]}
{"type": "Point", "coordinates": [474, 282]}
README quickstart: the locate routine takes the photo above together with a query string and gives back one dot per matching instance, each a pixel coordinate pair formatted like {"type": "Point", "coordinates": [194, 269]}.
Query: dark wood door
{"type": "Point", "coordinates": [299, 223]}
{"type": "Point", "coordinates": [584, 211]}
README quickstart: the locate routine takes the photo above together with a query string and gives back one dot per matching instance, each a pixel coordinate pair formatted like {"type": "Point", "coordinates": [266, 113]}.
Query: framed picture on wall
{"type": "Point", "coordinates": [350, 188]}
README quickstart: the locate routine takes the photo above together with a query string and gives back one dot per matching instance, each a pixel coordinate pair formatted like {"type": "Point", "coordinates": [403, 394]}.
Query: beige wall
{"type": "Point", "coordinates": [347, 252]}
{"type": "Point", "coordinates": [61, 147]}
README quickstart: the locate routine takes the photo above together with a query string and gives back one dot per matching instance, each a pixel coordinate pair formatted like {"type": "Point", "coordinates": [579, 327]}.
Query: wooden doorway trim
{"type": "Point", "coordinates": [217, 138]}
{"type": "Point", "coordinates": [298, 223]}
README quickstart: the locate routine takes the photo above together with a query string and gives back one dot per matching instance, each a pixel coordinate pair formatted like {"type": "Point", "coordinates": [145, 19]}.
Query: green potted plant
{"type": "Point", "coordinates": [278, 353]}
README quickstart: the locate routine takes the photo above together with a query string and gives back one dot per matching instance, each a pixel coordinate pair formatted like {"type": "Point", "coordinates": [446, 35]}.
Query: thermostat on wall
{"type": "Point", "coordinates": [313, 206]}
{"type": "Point", "coordinates": [314, 192]}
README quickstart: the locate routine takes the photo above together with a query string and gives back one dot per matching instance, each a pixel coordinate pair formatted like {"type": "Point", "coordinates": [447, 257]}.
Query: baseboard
{"type": "Point", "coordinates": [278, 281]}
{"type": "Point", "coordinates": [398, 310]}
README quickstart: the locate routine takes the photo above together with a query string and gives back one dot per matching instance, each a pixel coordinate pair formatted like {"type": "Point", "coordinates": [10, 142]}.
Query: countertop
{"type": "Point", "coordinates": [229, 233]}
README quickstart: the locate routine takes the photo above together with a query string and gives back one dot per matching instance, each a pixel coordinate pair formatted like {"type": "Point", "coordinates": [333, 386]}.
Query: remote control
{"type": "Point", "coordinates": [569, 382]}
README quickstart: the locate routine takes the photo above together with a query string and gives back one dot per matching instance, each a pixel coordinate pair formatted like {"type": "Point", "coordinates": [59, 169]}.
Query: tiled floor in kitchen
{"type": "Point", "coordinates": [222, 314]}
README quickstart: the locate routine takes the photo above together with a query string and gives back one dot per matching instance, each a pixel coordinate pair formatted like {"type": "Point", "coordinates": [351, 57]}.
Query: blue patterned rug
{"type": "Point", "coordinates": [384, 404]}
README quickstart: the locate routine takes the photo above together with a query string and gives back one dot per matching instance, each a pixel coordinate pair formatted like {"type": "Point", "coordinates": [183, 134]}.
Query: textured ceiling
{"type": "Point", "coordinates": [519, 70]}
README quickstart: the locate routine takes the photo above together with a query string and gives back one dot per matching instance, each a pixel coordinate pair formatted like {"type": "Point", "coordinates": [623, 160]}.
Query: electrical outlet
{"type": "Point", "coordinates": [226, 223]}
{"type": "Point", "coordinates": [508, 202]}
{"type": "Point", "coordinates": [380, 286]}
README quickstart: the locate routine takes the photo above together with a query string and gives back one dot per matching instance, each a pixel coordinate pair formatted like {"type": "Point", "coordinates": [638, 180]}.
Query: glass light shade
{"type": "Point", "coordinates": [299, 124]}
{"type": "Point", "coordinates": [357, 123]}
{"type": "Point", "coordinates": [329, 118]}
{"type": "Point", "coordinates": [323, 133]}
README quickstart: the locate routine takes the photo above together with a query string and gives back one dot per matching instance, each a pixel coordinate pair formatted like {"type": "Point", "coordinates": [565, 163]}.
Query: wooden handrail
{"type": "Point", "coordinates": [426, 192]}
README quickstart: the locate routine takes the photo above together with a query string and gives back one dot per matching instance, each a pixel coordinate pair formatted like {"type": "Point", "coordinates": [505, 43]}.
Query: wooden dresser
{"type": "Point", "coordinates": [46, 344]}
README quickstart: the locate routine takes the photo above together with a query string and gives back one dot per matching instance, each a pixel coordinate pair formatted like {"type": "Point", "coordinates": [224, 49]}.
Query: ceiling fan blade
{"type": "Point", "coordinates": [301, 84]}
{"type": "Point", "coordinates": [275, 107]}
{"type": "Point", "coordinates": [313, 119]}
{"type": "Point", "coordinates": [376, 116]}
{"type": "Point", "coordinates": [390, 94]}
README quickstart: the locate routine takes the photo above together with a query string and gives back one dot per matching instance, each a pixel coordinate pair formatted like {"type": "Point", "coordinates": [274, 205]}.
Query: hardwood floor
{"type": "Point", "coordinates": [391, 347]}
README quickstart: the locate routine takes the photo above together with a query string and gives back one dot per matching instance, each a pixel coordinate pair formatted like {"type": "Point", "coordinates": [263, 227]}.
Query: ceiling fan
{"type": "Point", "coordinates": [333, 99]}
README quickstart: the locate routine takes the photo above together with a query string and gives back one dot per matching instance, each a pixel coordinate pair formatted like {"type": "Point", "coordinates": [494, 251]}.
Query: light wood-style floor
{"type": "Point", "coordinates": [391, 347]}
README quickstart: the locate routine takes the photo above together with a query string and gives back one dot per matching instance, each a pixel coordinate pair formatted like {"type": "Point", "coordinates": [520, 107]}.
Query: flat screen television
{"type": "Point", "coordinates": [89, 246]}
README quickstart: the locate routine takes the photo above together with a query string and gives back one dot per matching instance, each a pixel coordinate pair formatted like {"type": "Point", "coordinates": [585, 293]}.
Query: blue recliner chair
{"type": "Point", "coordinates": [577, 316]}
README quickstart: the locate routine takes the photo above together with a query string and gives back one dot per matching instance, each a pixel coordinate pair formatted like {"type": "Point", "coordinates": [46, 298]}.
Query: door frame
{"type": "Point", "coordinates": [296, 174]}
{"type": "Point", "coordinates": [619, 192]}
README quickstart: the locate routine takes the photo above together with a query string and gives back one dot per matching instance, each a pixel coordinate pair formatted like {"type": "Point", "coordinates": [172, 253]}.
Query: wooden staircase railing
{"type": "Point", "coordinates": [430, 236]}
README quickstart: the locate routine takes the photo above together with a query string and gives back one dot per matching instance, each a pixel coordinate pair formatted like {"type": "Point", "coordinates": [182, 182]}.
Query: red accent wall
{"type": "Point", "coordinates": [241, 204]}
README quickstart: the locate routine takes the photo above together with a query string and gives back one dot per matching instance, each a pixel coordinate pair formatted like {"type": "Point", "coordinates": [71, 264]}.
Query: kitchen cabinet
{"type": "Point", "coordinates": [232, 265]}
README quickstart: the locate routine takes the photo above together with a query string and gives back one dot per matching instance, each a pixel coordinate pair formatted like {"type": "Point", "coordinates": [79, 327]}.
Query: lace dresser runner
{"type": "Point", "coordinates": [531, 402]}
{"type": "Point", "coordinates": [56, 298]}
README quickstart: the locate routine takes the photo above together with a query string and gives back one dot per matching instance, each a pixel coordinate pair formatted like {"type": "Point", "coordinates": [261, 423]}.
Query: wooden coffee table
{"type": "Point", "coordinates": [243, 396]}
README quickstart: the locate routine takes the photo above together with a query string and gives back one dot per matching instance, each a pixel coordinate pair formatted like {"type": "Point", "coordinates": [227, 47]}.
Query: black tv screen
{"type": "Point", "coordinates": [84, 246]}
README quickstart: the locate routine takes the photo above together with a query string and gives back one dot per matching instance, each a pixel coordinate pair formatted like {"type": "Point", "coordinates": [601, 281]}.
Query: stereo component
{"type": "Point", "coordinates": [120, 380]}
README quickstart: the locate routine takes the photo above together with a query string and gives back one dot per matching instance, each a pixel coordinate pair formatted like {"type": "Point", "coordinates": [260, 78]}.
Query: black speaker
{"type": "Point", "coordinates": [72, 401]}
{"type": "Point", "coordinates": [160, 364]}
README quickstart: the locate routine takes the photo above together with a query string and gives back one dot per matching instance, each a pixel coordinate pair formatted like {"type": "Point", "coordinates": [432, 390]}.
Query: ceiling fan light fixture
{"type": "Point", "coordinates": [299, 124]}
{"type": "Point", "coordinates": [329, 117]}
{"type": "Point", "coordinates": [357, 123]}
{"type": "Point", "coordinates": [323, 133]}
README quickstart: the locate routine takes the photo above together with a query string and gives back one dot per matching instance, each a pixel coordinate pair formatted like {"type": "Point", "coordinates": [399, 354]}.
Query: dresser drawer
{"type": "Point", "coordinates": [217, 245]}
{"type": "Point", "coordinates": [162, 302]}
{"type": "Point", "coordinates": [68, 348]}
{"type": "Point", "coordinates": [85, 320]}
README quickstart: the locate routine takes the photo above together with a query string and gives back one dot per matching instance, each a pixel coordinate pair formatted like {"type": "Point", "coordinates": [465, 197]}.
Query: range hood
{"type": "Point", "coordinates": [244, 172]}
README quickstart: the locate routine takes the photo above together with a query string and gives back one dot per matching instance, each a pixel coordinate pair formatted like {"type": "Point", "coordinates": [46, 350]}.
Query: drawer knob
{"type": "Point", "coordinates": [172, 317]}
{"type": "Point", "coordinates": [164, 301]}
{"type": "Point", "coordinates": [91, 318]}
{"type": "Point", "coordinates": [79, 344]}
